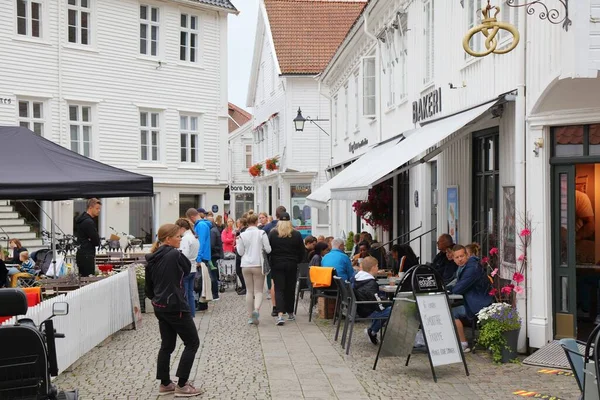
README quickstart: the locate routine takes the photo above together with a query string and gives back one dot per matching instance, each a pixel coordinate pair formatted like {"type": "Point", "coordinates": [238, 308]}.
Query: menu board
{"type": "Point", "coordinates": [401, 329]}
{"type": "Point", "coordinates": [439, 330]}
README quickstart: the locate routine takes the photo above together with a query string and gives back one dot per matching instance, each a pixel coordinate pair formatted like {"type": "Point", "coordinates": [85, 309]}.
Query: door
{"type": "Point", "coordinates": [564, 255]}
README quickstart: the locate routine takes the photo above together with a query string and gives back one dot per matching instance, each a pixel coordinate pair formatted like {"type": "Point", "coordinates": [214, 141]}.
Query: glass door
{"type": "Point", "coordinates": [564, 254]}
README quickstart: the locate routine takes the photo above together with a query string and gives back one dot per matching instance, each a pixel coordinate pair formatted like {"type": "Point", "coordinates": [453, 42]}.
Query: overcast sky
{"type": "Point", "coordinates": [242, 29]}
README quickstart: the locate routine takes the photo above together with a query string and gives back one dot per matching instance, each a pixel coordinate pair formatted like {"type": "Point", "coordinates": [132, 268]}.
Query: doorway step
{"type": "Point", "coordinates": [551, 355]}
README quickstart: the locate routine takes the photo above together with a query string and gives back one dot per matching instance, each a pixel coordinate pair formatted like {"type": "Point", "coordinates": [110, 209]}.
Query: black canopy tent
{"type": "Point", "coordinates": [38, 169]}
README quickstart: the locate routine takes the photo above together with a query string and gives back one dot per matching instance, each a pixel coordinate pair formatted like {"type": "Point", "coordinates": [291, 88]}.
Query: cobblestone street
{"type": "Point", "coordinates": [298, 360]}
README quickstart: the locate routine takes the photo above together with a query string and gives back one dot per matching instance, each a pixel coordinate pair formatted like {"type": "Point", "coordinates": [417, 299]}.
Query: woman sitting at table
{"type": "Point", "coordinates": [318, 253]}
{"type": "Point", "coordinates": [16, 248]}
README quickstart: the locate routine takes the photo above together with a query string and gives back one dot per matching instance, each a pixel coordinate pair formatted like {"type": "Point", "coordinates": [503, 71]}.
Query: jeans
{"type": "Point", "coordinates": [170, 325]}
{"type": "Point", "coordinates": [188, 285]}
{"type": "Point", "coordinates": [255, 282]}
{"type": "Point", "coordinates": [12, 271]}
{"type": "Point", "coordinates": [376, 324]}
{"type": "Point", "coordinates": [86, 263]}
{"type": "Point", "coordinates": [214, 278]}
{"type": "Point", "coordinates": [284, 277]}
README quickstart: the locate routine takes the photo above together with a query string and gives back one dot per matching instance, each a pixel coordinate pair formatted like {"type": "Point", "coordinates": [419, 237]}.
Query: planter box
{"type": "Point", "coordinates": [326, 308]}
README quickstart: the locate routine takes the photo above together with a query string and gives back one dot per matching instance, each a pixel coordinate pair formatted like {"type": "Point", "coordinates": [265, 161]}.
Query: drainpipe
{"type": "Point", "coordinates": [520, 177]}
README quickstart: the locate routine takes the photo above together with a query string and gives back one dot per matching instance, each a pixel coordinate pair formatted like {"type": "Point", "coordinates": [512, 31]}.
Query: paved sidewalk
{"type": "Point", "coordinates": [296, 361]}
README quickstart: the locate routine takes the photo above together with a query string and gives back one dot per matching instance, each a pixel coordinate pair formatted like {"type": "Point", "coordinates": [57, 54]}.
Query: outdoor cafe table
{"type": "Point", "coordinates": [391, 290]}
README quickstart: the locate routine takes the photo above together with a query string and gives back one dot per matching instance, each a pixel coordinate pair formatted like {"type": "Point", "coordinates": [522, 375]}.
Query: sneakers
{"type": "Point", "coordinates": [268, 295]}
{"type": "Point", "coordinates": [164, 390]}
{"type": "Point", "coordinates": [242, 292]}
{"type": "Point", "coordinates": [250, 321]}
{"type": "Point", "coordinates": [274, 313]}
{"type": "Point", "coordinates": [280, 321]}
{"type": "Point", "coordinates": [187, 391]}
{"type": "Point", "coordinates": [291, 317]}
{"type": "Point", "coordinates": [465, 347]}
{"type": "Point", "coordinates": [255, 316]}
{"type": "Point", "coordinates": [372, 337]}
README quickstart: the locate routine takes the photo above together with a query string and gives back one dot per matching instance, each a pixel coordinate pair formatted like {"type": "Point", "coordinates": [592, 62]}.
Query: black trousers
{"type": "Point", "coordinates": [172, 324]}
{"type": "Point", "coordinates": [238, 271]}
{"type": "Point", "coordinates": [86, 263]}
{"type": "Point", "coordinates": [284, 277]}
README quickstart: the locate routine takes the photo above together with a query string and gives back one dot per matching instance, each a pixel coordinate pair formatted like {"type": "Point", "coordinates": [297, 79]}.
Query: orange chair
{"type": "Point", "coordinates": [36, 290]}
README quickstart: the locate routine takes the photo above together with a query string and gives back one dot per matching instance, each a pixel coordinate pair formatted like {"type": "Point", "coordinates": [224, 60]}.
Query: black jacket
{"type": "Point", "coordinates": [445, 267]}
{"type": "Point", "coordinates": [87, 234]}
{"type": "Point", "coordinates": [366, 289]}
{"type": "Point", "coordinates": [164, 279]}
{"type": "Point", "coordinates": [15, 257]}
{"type": "Point", "coordinates": [3, 274]}
{"type": "Point", "coordinates": [216, 243]}
{"type": "Point", "coordinates": [285, 251]}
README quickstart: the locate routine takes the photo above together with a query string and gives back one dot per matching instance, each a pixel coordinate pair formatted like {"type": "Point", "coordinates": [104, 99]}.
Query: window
{"type": "Point", "coordinates": [243, 203]}
{"type": "Point", "coordinates": [473, 19]}
{"type": "Point", "coordinates": [79, 21]}
{"type": "Point", "coordinates": [402, 56]}
{"type": "Point", "coordinates": [188, 50]}
{"type": "Point", "coordinates": [356, 103]}
{"type": "Point", "coordinates": [390, 65]}
{"type": "Point", "coordinates": [323, 216]}
{"type": "Point", "coordinates": [29, 17]}
{"type": "Point", "coordinates": [190, 139]}
{"type": "Point", "coordinates": [429, 39]}
{"type": "Point", "coordinates": [276, 134]}
{"type": "Point", "coordinates": [509, 15]}
{"type": "Point", "coordinates": [335, 118]}
{"type": "Point", "coordinates": [140, 218]}
{"type": "Point", "coordinates": [369, 86]}
{"type": "Point", "coordinates": [248, 148]}
{"type": "Point", "coordinates": [187, 201]}
{"type": "Point", "coordinates": [149, 135]}
{"type": "Point", "coordinates": [149, 25]}
{"type": "Point", "coordinates": [80, 128]}
{"type": "Point", "coordinates": [346, 113]}
{"type": "Point", "coordinates": [31, 116]}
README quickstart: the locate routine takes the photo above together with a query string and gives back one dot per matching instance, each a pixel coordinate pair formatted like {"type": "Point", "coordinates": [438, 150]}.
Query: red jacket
{"type": "Point", "coordinates": [228, 238]}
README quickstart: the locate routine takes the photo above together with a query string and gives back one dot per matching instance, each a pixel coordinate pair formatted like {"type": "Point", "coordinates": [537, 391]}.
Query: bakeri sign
{"type": "Point", "coordinates": [427, 106]}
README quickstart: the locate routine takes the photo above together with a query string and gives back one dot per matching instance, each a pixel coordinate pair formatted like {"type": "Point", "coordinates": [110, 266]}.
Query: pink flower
{"type": "Point", "coordinates": [493, 251]}
{"type": "Point", "coordinates": [521, 257]}
{"type": "Point", "coordinates": [518, 289]}
{"type": "Point", "coordinates": [518, 277]}
{"type": "Point", "coordinates": [485, 260]}
{"type": "Point", "coordinates": [507, 289]}
{"type": "Point", "coordinates": [525, 233]}
{"type": "Point", "coordinates": [494, 272]}
{"type": "Point", "coordinates": [493, 292]}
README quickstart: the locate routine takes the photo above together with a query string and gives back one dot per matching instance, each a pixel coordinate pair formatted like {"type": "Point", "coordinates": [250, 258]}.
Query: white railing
{"type": "Point", "coordinates": [96, 311]}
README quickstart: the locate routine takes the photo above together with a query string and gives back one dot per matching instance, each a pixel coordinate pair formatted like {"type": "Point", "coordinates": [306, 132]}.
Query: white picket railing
{"type": "Point", "coordinates": [96, 311]}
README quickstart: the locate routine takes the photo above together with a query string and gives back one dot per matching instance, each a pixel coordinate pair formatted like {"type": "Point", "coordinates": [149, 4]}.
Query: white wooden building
{"type": "Point", "coordinates": [241, 187]}
{"type": "Point", "coordinates": [492, 139]}
{"type": "Point", "coordinates": [140, 85]}
{"type": "Point", "coordinates": [294, 41]}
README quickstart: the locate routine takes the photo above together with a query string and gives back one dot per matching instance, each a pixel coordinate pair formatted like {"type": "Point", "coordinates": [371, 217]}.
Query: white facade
{"type": "Point", "coordinates": [241, 187]}
{"type": "Point", "coordinates": [558, 68]}
{"type": "Point", "coordinates": [303, 156]}
{"type": "Point", "coordinates": [114, 80]}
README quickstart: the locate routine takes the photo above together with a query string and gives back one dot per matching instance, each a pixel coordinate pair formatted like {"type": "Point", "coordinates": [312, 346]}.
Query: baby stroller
{"type": "Point", "coordinates": [28, 353]}
{"type": "Point", "coordinates": [227, 274]}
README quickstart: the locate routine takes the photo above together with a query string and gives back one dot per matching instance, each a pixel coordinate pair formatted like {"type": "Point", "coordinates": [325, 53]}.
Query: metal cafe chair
{"type": "Point", "coordinates": [301, 285]}
{"type": "Point", "coordinates": [315, 293]}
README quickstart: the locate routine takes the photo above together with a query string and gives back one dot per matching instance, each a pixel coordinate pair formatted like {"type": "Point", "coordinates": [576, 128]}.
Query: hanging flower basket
{"type": "Point", "coordinates": [377, 211]}
{"type": "Point", "coordinates": [272, 164]}
{"type": "Point", "coordinates": [255, 170]}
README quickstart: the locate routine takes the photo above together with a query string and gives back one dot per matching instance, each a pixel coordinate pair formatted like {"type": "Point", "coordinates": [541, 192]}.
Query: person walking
{"type": "Point", "coordinates": [189, 247]}
{"type": "Point", "coordinates": [287, 250]}
{"type": "Point", "coordinates": [88, 238]}
{"type": "Point", "coordinates": [216, 254]}
{"type": "Point", "coordinates": [202, 230]}
{"type": "Point", "coordinates": [167, 268]}
{"type": "Point", "coordinates": [228, 237]}
{"type": "Point", "coordinates": [242, 225]}
{"type": "Point", "coordinates": [250, 246]}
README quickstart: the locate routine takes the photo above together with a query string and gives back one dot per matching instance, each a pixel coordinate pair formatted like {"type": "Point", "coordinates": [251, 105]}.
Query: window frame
{"type": "Point", "coordinates": [473, 19]}
{"type": "Point", "coordinates": [402, 59]}
{"type": "Point", "coordinates": [149, 129]}
{"type": "Point", "coordinates": [389, 71]}
{"type": "Point", "coordinates": [29, 19]}
{"type": "Point", "coordinates": [429, 42]}
{"type": "Point", "coordinates": [356, 101]}
{"type": "Point", "coordinates": [189, 32]}
{"type": "Point", "coordinates": [335, 118]}
{"type": "Point", "coordinates": [150, 24]}
{"type": "Point", "coordinates": [30, 119]}
{"type": "Point", "coordinates": [189, 132]}
{"type": "Point", "coordinates": [513, 19]}
{"type": "Point", "coordinates": [80, 123]}
{"type": "Point", "coordinates": [373, 80]}
{"type": "Point", "coordinates": [346, 111]}
{"type": "Point", "coordinates": [248, 153]}
{"type": "Point", "coordinates": [79, 10]}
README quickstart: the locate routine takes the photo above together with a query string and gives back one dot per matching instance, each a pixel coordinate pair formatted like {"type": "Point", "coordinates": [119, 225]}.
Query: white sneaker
{"type": "Point", "coordinates": [268, 295]}
{"type": "Point", "coordinates": [465, 347]}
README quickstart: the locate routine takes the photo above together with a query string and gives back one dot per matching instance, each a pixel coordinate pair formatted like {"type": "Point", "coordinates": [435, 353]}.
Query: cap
{"type": "Point", "coordinates": [202, 211]}
{"type": "Point", "coordinates": [284, 216]}
{"type": "Point", "coordinates": [310, 239]}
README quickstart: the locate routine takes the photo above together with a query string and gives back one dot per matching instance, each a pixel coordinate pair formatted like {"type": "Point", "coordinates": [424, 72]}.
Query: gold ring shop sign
{"type": "Point", "coordinates": [490, 27]}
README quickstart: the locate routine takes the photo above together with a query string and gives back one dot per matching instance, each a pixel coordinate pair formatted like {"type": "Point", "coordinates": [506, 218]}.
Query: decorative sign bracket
{"type": "Point", "coordinates": [549, 13]}
{"type": "Point", "coordinates": [489, 28]}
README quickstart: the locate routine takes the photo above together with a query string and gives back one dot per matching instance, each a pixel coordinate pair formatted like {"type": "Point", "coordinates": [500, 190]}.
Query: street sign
{"type": "Point", "coordinates": [215, 208]}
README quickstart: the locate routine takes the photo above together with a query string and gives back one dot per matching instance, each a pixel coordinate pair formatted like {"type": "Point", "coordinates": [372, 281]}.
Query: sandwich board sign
{"type": "Point", "coordinates": [431, 308]}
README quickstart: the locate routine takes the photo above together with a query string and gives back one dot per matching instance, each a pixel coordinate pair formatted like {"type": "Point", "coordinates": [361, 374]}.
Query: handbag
{"type": "Point", "coordinates": [266, 266]}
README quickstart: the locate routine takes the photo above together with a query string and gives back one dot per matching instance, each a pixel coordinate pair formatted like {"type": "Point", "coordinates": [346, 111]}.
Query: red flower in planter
{"type": "Point", "coordinates": [255, 170]}
{"type": "Point", "coordinates": [272, 164]}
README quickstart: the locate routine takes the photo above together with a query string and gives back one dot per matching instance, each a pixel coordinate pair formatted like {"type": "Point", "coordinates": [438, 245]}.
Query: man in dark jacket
{"type": "Point", "coordinates": [216, 254]}
{"type": "Point", "coordinates": [279, 211]}
{"type": "Point", "coordinates": [447, 268]}
{"type": "Point", "coordinates": [88, 238]}
{"type": "Point", "coordinates": [367, 289]}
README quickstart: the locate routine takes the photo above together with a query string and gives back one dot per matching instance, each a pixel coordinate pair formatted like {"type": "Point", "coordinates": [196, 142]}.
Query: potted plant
{"type": "Point", "coordinates": [350, 241]}
{"type": "Point", "coordinates": [272, 164]}
{"type": "Point", "coordinates": [499, 331]}
{"type": "Point", "coordinates": [377, 209]}
{"type": "Point", "coordinates": [255, 170]}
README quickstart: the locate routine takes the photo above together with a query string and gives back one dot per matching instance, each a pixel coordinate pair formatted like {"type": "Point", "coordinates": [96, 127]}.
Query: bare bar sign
{"type": "Point", "coordinates": [427, 106]}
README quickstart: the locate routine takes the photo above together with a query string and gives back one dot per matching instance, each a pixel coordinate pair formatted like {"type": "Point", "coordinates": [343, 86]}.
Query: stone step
{"type": "Point", "coordinates": [6, 209]}
{"type": "Point", "coordinates": [31, 243]}
{"type": "Point", "coordinates": [4, 202]}
{"type": "Point", "coordinates": [14, 230]}
{"type": "Point", "coordinates": [19, 235]}
{"type": "Point", "coordinates": [8, 215]}
{"type": "Point", "coordinates": [12, 222]}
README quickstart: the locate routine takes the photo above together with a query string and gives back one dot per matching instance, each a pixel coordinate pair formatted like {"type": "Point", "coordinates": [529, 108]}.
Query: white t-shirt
{"type": "Point", "coordinates": [190, 246]}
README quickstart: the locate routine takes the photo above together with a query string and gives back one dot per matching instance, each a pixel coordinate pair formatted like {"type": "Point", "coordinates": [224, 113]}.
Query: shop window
{"type": "Point", "coordinates": [568, 141]}
{"type": "Point", "coordinates": [140, 218]}
{"type": "Point", "coordinates": [187, 201]}
{"type": "Point", "coordinates": [243, 203]}
{"type": "Point", "coordinates": [301, 212]}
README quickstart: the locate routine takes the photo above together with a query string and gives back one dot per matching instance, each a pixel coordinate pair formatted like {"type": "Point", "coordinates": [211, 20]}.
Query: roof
{"type": "Point", "coordinates": [237, 117]}
{"type": "Point", "coordinates": [306, 33]}
{"type": "Point", "coordinates": [226, 4]}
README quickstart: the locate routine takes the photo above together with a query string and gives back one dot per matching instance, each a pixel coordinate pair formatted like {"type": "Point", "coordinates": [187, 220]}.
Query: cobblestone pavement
{"type": "Point", "coordinates": [298, 360]}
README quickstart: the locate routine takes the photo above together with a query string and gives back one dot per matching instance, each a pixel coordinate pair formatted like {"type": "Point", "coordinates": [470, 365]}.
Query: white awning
{"type": "Point", "coordinates": [355, 184]}
{"type": "Point", "coordinates": [322, 195]}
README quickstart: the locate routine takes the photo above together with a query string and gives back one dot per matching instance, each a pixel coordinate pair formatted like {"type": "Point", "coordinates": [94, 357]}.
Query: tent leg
{"type": "Point", "coordinates": [52, 235]}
